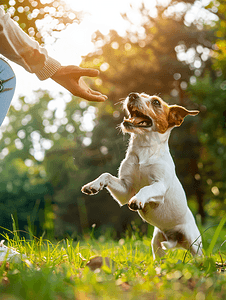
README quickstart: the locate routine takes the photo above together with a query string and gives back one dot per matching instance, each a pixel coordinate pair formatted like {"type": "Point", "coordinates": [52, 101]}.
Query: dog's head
{"type": "Point", "coordinates": [150, 113]}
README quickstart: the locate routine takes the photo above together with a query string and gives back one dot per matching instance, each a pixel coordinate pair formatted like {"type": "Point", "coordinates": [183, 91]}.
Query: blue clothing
{"type": "Point", "coordinates": [7, 88]}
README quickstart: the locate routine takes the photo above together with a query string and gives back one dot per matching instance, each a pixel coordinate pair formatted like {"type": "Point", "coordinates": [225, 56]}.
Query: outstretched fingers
{"type": "Point", "coordinates": [70, 77]}
{"type": "Point", "coordinates": [90, 95]}
{"type": "Point", "coordinates": [85, 72]}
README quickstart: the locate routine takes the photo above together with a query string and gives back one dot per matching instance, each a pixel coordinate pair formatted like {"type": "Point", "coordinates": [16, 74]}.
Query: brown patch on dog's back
{"type": "Point", "coordinates": [173, 235]}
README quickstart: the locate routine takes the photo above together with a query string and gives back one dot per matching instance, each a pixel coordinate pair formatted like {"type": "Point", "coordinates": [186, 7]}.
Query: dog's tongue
{"type": "Point", "coordinates": [141, 121]}
{"type": "Point", "coordinates": [136, 120]}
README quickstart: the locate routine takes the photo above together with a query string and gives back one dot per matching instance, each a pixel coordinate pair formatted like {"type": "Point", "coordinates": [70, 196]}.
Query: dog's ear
{"type": "Point", "coordinates": [178, 113]}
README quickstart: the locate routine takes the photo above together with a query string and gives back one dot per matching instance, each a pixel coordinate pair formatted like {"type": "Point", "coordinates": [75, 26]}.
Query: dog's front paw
{"type": "Point", "coordinates": [134, 204]}
{"type": "Point", "coordinates": [89, 190]}
{"type": "Point", "coordinates": [92, 188]}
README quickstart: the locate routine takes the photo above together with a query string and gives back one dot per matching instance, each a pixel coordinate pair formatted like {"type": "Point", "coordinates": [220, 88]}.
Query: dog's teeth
{"type": "Point", "coordinates": [143, 123]}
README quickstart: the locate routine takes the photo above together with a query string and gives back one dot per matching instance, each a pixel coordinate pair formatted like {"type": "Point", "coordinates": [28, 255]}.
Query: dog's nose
{"type": "Point", "coordinates": [133, 96]}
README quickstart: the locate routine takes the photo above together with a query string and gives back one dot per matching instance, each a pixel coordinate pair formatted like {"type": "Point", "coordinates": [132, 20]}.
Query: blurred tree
{"type": "Point", "coordinates": [29, 187]}
{"type": "Point", "coordinates": [160, 57]}
{"type": "Point", "coordinates": [25, 192]}
{"type": "Point", "coordinates": [209, 91]}
{"type": "Point", "coordinates": [41, 18]}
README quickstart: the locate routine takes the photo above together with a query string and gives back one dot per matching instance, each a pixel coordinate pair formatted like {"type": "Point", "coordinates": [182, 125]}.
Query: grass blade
{"type": "Point", "coordinates": [216, 235]}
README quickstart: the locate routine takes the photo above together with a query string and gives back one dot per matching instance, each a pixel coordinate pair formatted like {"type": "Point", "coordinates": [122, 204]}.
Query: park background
{"type": "Point", "coordinates": [52, 143]}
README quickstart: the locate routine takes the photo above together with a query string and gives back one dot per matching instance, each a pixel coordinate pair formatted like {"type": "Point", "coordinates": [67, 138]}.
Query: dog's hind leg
{"type": "Point", "coordinates": [156, 243]}
{"type": "Point", "coordinates": [186, 236]}
{"type": "Point", "coordinates": [194, 243]}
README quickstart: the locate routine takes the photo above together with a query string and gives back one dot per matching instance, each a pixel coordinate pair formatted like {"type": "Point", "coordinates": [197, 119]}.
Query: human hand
{"type": "Point", "coordinates": [70, 77]}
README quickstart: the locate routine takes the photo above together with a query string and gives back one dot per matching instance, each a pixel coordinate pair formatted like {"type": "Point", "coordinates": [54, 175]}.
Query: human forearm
{"type": "Point", "coordinates": [17, 46]}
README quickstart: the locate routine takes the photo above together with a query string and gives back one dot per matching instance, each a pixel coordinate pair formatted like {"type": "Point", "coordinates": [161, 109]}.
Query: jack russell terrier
{"type": "Point", "coordinates": [147, 180]}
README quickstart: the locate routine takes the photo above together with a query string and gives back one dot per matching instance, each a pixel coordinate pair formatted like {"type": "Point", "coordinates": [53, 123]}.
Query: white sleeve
{"type": "Point", "coordinates": [18, 47]}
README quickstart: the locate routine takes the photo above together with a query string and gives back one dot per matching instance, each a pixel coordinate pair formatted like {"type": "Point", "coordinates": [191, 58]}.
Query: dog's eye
{"type": "Point", "coordinates": [156, 102]}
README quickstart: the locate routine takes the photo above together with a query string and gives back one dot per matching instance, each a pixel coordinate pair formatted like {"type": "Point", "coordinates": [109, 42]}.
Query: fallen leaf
{"type": "Point", "coordinates": [191, 283]}
{"type": "Point", "coordinates": [97, 262]}
{"type": "Point", "coordinates": [125, 286]}
{"type": "Point", "coordinates": [5, 281]}
{"type": "Point", "coordinates": [6, 265]}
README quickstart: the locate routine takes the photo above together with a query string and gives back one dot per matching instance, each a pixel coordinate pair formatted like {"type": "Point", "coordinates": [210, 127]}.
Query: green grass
{"type": "Point", "coordinates": [59, 270]}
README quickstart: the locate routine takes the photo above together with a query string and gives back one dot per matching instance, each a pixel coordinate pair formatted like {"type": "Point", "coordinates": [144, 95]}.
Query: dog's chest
{"type": "Point", "coordinates": [144, 167]}
{"type": "Point", "coordinates": [142, 175]}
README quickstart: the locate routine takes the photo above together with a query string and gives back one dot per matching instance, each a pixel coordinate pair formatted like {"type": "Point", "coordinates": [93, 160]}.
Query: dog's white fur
{"type": "Point", "coordinates": [147, 180]}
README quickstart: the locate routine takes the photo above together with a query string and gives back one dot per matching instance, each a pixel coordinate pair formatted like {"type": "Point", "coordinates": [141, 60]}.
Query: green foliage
{"type": "Point", "coordinates": [216, 235]}
{"type": "Point", "coordinates": [209, 92]}
{"type": "Point", "coordinates": [26, 190]}
{"type": "Point", "coordinates": [148, 63]}
{"type": "Point", "coordinates": [220, 32]}
{"type": "Point", "coordinates": [210, 95]}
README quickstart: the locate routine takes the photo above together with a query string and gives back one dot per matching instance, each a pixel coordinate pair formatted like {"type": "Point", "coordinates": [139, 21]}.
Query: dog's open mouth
{"type": "Point", "coordinates": [138, 119]}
